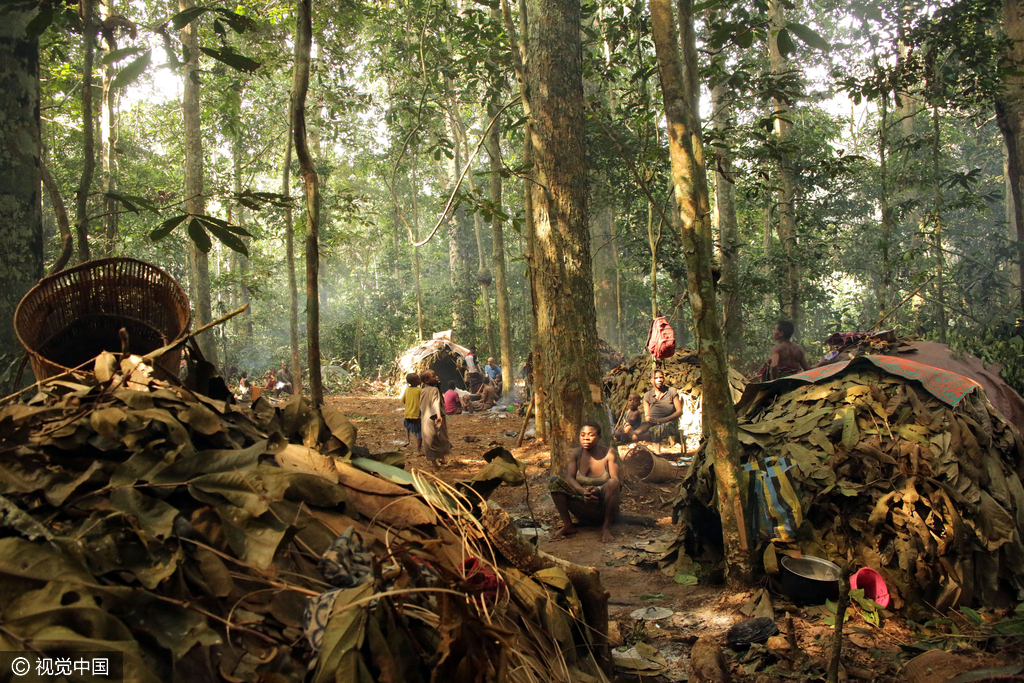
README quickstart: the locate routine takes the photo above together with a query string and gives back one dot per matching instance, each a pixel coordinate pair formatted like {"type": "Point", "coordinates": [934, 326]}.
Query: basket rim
{"type": "Point", "coordinates": [88, 265]}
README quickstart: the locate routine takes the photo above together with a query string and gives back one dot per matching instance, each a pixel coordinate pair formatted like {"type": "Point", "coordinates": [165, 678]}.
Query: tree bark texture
{"type": "Point", "coordinates": [414, 231]}
{"type": "Point", "coordinates": [241, 262]}
{"type": "Point", "coordinates": [300, 86]}
{"type": "Point", "coordinates": [21, 211]}
{"type": "Point", "coordinates": [462, 274]}
{"type": "Point", "coordinates": [885, 265]}
{"type": "Point", "coordinates": [517, 41]}
{"type": "Point", "coordinates": [728, 226]}
{"type": "Point", "coordinates": [941, 315]}
{"type": "Point", "coordinates": [679, 87]}
{"type": "Point", "coordinates": [1011, 222]}
{"type": "Point", "coordinates": [602, 231]}
{"type": "Point", "coordinates": [498, 244]}
{"type": "Point", "coordinates": [67, 240]}
{"type": "Point", "coordinates": [85, 14]}
{"type": "Point", "coordinates": [786, 187]}
{"type": "Point", "coordinates": [199, 265]}
{"type": "Point", "coordinates": [483, 274]}
{"type": "Point", "coordinates": [108, 134]}
{"type": "Point", "coordinates": [289, 244]}
{"type": "Point", "coordinates": [566, 329]}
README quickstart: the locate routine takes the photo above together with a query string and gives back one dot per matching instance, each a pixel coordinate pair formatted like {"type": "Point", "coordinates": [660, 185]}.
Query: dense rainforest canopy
{"type": "Point", "coordinates": [856, 153]}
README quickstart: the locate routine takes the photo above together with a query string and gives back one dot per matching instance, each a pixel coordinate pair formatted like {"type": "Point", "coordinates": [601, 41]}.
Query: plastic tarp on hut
{"type": "Point", "coordinates": [906, 467]}
{"type": "Point", "coordinates": [419, 357]}
{"type": "Point", "coordinates": [1002, 395]}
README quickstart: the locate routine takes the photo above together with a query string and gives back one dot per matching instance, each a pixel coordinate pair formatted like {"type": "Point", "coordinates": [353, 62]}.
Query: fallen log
{"type": "Point", "coordinates": [706, 661]}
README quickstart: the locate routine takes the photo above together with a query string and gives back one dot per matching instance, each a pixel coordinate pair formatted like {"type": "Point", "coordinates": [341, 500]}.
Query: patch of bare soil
{"type": "Point", "coordinates": [630, 573]}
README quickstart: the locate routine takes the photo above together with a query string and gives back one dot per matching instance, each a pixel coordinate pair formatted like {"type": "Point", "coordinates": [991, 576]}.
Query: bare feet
{"type": "Point", "coordinates": [606, 536]}
{"type": "Point", "coordinates": [565, 532]}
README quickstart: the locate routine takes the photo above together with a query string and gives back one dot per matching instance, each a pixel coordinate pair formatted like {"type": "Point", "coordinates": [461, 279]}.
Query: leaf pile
{"type": "Point", "coordinates": [682, 371]}
{"type": "Point", "coordinates": [201, 540]}
{"type": "Point", "coordinates": [887, 474]}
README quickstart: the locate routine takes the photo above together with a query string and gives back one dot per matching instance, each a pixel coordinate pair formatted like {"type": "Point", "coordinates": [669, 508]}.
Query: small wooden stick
{"type": "Point", "coordinates": [526, 420]}
{"type": "Point", "coordinates": [152, 355]}
{"type": "Point", "coordinates": [837, 640]}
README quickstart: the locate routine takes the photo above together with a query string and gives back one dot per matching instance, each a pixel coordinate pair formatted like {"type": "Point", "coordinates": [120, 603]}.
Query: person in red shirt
{"type": "Point", "coordinates": [452, 401]}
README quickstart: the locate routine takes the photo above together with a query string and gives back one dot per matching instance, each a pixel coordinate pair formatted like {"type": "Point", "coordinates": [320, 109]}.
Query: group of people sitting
{"type": "Point", "coordinates": [589, 489]}
{"type": "Point", "coordinates": [475, 380]}
{"type": "Point", "coordinates": [279, 382]}
{"type": "Point", "coordinates": [655, 418]}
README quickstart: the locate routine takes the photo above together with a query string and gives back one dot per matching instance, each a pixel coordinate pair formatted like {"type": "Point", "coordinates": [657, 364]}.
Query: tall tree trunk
{"type": "Point", "coordinates": [941, 316]}
{"type": "Point", "coordinates": [85, 14]}
{"type": "Point", "coordinates": [619, 322]}
{"type": "Point", "coordinates": [681, 92]}
{"type": "Point", "coordinates": [462, 273]}
{"type": "Point", "coordinates": [415, 229]}
{"type": "Point", "coordinates": [1011, 223]}
{"type": "Point", "coordinates": [602, 229]}
{"type": "Point", "coordinates": [199, 265]}
{"type": "Point", "coordinates": [241, 263]}
{"type": "Point", "coordinates": [728, 226]}
{"type": "Point", "coordinates": [21, 212]}
{"type": "Point", "coordinates": [1010, 116]}
{"type": "Point", "coordinates": [786, 178]}
{"type": "Point", "coordinates": [652, 243]}
{"type": "Point", "coordinates": [885, 265]}
{"type": "Point", "coordinates": [564, 308]}
{"type": "Point", "coordinates": [483, 274]}
{"type": "Point", "coordinates": [519, 51]}
{"type": "Point", "coordinates": [67, 241]}
{"type": "Point", "coordinates": [108, 134]}
{"type": "Point", "coordinates": [300, 85]}
{"type": "Point", "coordinates": [498, 241]}
{"type": "Point", "coordinates": [289, 247]}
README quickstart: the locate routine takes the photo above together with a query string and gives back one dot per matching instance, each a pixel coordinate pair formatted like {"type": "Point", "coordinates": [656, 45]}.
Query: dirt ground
{"type": "Point", "coordinates": [630, 573]}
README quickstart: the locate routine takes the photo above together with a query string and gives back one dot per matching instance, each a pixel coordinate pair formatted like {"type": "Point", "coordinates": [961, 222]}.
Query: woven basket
{"type": "Point", "coordinates": [71, 317]}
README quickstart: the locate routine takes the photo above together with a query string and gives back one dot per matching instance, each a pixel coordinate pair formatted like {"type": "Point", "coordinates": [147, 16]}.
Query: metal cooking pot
{"type": "Point", "coordinates": [810, 580]}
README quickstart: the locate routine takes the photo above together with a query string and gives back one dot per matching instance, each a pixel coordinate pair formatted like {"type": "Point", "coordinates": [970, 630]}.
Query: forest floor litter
{"type": "Point", "coordinates": [633, 571]}
{"type": "Point", "coordinates": [206, 542]}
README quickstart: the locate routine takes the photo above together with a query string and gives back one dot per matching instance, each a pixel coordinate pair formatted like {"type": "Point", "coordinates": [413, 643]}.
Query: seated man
{"type": "Point", "coordinates": [284, 379]}
{"type": "Point", "coordinates": [632, 421]}
{"type": "Point", "coordinates": [488, 397]}
{"type": "Point", "coordinates": [452, 400]}
{"type": "Point", "coordinates": [589, 488]}
{"type": "Point", "coordinates": [493, 372]}
{"type": "Point", "coordinates": [787, 357]}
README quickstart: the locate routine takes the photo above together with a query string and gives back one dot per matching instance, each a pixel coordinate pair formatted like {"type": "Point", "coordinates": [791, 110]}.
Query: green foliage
{"type": "Point", "coordinates": [390, 81]}
{"type": "Point", "coordinates": [995, 345]}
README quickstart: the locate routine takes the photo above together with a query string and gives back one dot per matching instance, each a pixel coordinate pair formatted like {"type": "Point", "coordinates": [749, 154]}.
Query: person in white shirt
{"type": "Point", "coordinates": [473, 379]}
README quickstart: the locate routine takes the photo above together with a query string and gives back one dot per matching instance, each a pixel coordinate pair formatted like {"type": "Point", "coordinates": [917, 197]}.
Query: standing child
{"type": "Point", "coordinates": [432, 420]}
{"type": "Point", "coordinates": [411, 397]}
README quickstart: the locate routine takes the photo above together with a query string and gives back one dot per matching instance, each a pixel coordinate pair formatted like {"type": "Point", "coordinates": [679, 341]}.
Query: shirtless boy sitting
{"type": "Point", "coordinates": [787, 358]}
{"type": "Point", "coordinates": [632, 420]}
{"type": "Point", "coordinates": [589, 489]}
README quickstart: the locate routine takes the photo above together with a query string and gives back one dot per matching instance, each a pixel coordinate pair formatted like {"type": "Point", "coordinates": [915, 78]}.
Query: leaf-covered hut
{"type": "Point", "coordinates": [903, 467]}
{"type": "Point", "coordinates": [444, 357]}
